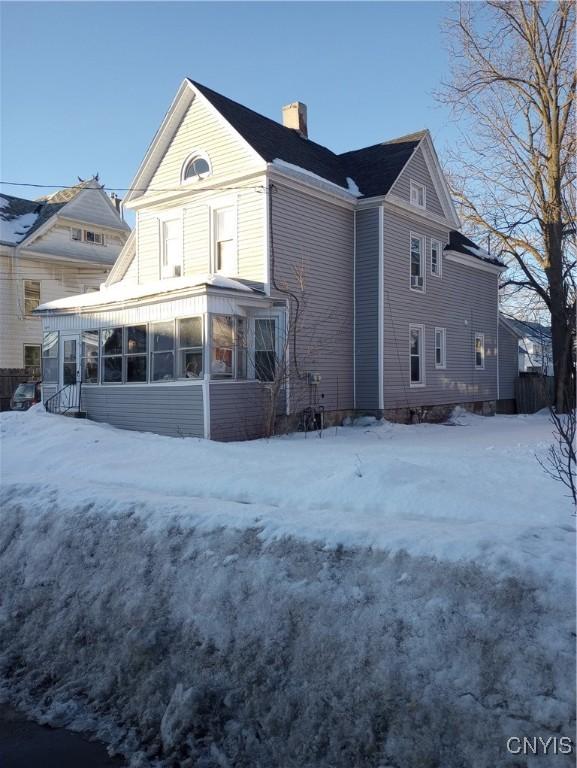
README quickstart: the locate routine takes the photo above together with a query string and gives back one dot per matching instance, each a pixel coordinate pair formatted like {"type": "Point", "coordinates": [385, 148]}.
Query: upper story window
{"type": "Point", "coordinates": [418, 195]}
{"type": "Point", "coordinates": [436, 258]}
{"type": "Point", "coordinates": [31, 296]}
{"type": "Point", "coordinates": [171, 248]}
{"type": "Point", "coordinates": [87, 236]}
{"type": "Point", "coordinates": [417, 263]}
{"type": "Point", "coordinates": [225, 260]}
{"type": "Point", "coordinates": [195, 167]}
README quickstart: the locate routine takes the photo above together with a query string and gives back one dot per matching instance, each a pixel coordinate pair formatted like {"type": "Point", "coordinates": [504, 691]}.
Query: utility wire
{"type": "Point", "coordinates": [257, 187]}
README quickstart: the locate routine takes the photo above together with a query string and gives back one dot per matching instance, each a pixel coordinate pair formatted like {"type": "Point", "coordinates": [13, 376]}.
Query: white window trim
{"type": "Point", "coordinates": [422, 359]}
{"type": "Point", "coordinates": [217, 205]}
{"type": "Point", "coordinates": [37, 346]}
{"type": "Point", "coordinates": [417, 186]}
{"type": "Point", "coordinates": [443, 364]}
{"type": "Point", "coordinates": [423, 241]}
{"type": "Point", "coordinates": [84, 241]}
{"type": "Point", "coordinates": [195, 179]}
{"type": "Point", "coordinates": [482, 337]}
{"type": "Point", "coordinates": [175, 214]}
{"type": "Point", "coordinates": [440, 257]}
{"type": "Point", "coordinates": [280, 326]}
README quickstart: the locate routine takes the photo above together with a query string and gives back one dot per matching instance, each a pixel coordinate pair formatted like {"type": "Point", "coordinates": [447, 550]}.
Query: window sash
{"type": "Point", "coordinates": [32, 355]}
{"type": "Point", "coordinates": [440, 348]}
{"type": "Point", "coordinates": [31, 296]}
{"type": "Point", "coordinates": [190, 348]}
{"type": "Point", "coordinates": [479, 350]}
{"type": "Point", "coordinates": [172, 253]}
{"type": "Point", "coordinates": [265, 348]}
{"type": "Point", "coordinates": [417, 194]}
{"type": "Point", "coordinates": [417, 279]}
{"type": "Point", "coordinates": [436, 258]}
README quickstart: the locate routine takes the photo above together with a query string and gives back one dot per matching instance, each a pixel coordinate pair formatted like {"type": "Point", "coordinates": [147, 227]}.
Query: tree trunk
{"type": "Point", "coordinates": [560, 319]}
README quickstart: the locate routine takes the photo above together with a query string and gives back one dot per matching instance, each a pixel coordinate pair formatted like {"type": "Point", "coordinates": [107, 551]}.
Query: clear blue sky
{"type": "Point", "coordinates": [86, 85]}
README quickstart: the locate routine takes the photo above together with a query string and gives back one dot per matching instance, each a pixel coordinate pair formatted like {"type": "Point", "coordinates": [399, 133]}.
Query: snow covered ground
{"type": "Point", "coordinates": [384, 596]}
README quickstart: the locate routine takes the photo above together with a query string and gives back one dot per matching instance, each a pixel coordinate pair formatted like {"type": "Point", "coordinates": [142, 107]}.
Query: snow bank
{"type": "Point", "coordinates": [188, 627]}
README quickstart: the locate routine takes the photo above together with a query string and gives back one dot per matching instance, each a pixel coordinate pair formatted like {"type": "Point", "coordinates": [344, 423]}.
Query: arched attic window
{"type": "Point", "coordinates": [196, 167]}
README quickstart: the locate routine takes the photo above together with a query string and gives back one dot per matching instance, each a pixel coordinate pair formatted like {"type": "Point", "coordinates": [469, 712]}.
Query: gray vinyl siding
{"type": "Point", "coordinates": [366, 309]}
{"type": "Point", "coordinates": [463, 301]}
{"type": "Point", "coordinates": [508, 362]}
{"type": "Point", "coordinates": [416, 169]}
{"type": "Point", "coordinates": [313, 238]}
{"type": "Point", "coordinates": [237, 410]}
{"type": "Point", "coordinates": [166, 410]}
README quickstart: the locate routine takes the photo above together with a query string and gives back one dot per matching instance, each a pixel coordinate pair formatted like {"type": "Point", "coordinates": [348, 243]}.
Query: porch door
{"type": "Point", "coordinates": [70, 369]}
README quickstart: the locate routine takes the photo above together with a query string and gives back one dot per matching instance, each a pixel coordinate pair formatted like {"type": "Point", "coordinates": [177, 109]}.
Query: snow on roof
{"type": "Point", "coordinates": [351, 187]}
{"type": "Point", "coordinates": [120, 292]}
{"type": "Point", "coordinates": [15, 223]}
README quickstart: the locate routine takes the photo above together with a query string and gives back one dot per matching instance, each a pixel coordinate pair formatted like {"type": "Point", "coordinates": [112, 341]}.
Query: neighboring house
{"type": "Point", "coordinates": [535, 346]}
{"type": "Point", "coordinates": [256, 248]}
{"type": "Point", "coordinates": [50, 248]}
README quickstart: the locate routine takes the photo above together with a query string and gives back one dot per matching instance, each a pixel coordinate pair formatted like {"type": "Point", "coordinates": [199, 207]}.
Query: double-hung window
{"type": "Point", "coordinates": [418, 195]}
{"type": "Point", "coordinates": [32, 354]}
{"type": "Point", "coordinates": [479, 350]}
{"type": "Point", "coordinates": [436, 258]}
{"type": "Point", "coordinates": [171, 248]}
{"type": "Point", "coordinates": [440, 348]}
{"type": "Point", "coordinates": [136, 354]}
{"type": "Point", "coordinates": [93, 237]}
{"type": "Point", "coordinates": [190, 350]}
{"type": "Point", "coordinates": [417, 355]}
{"type": "Point", "coordinates": [31, 296]}
{"type": "Point", "coordinates": [228, 347]}
{"type": "Point", "coordinates": [225, 259]}
{"type": "Point", "coordinates": [162, 339]}
{"type": "Point", "coordinates": [417, 263]}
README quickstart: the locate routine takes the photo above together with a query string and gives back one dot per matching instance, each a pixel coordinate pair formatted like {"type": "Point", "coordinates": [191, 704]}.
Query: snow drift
{"type": "Point", "coordinates": [182, 638]}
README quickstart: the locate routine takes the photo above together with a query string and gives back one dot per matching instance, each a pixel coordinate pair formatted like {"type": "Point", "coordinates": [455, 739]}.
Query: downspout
{"type": "Point", "coordinates": [355, 309]}
{"type": "Point", "coordinates": [498, 389]}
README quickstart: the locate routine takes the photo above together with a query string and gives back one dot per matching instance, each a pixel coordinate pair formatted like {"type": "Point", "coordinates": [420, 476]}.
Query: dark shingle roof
{"type": "Point", "coordinates": [17, 207]}
{"type": "Point", "coordinates": [374, 169]}
{"type": "Point", "coordinates": [527, 329]}
{"type": "Point", "coordinates": [462, 244]}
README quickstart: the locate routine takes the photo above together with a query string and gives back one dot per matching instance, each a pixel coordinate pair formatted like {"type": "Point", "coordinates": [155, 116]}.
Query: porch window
{"type": "Point", "coordinates": [416, 355]}
{"type": "Point", "coordinates": [136, 354]}
{"type": "Point", "coordinates": [50, 357]}
{"type": "Point", "coordinates": [162, 351]}
{"type": "Point", "coordinates": [479, 350]}
{"type": "Point", "coordinates": [111, 349]}
{"type": "Point", "coordinates": [417, 263]}
{"type": "Point", "coordinates": [264, 349]}
{"type": "Point", "coordinates": [31, 296]}
{"type": "Point", "coordinates": [90, 357]}
{"type": "Point", "coordinates": [222, 362]}
{"type": "Point", "coordinates": [190, 349]}
{"type": "Point", "coordinates": [225, 240]}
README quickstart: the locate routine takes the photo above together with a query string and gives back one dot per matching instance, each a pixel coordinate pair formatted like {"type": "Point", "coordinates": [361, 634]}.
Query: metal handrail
{"type": "Point", "coordinates": [54, 403]}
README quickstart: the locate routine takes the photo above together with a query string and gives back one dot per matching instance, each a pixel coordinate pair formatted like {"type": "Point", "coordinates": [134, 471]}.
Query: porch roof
{"type": "Point", "coordinates": [120, 292]}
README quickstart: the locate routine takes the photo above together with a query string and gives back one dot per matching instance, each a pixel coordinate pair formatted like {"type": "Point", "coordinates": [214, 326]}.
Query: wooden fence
{"type": "Point", "coordinates": [534, 392]}
{"type": "Point", "coordinates": [9, 380]}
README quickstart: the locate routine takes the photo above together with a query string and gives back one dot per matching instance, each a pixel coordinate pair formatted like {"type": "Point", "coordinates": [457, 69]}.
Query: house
{"type": "Point", "coordinates": [60, 245]}
{"type": "Point", "coordinates": [267, 275]}
{"type": "Point", "coordinates": [535, 346]}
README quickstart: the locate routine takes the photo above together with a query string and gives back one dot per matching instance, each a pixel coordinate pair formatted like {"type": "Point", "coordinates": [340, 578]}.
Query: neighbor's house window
{"type": "Point", "coordinates": [90, 357]}
{"type": "Point", "coordinates": [479, 350]}
{"type": "Point", "coordinates": [31, 296]}
{"type": "Point", "coordinates": [171, 248]}
{"type": "Point", "coordinates": [32, 355]}
{"type": "Point", "coordinates": [417, 354]}
{"type": "Point", "coordinates": [418, 195]}
{"type": "Point", "coordinates": [136, 354]}
{"type": "Point", "coordinates": [196, 168]}
{"type": "Point", "coordinates": [190, 350]}
{"type": "Point", "coordinates": [50, 357]}
{"type": "Point", "coordinates": [265, 349]}
{"type": "Point", "coordinates": [76, 234]}
{"type": "Point", "coordinates": [228, 349]}
{"type": "Point", "coordinates": [440, 348]}
{"type": "Point", "coordinates": [162, 351]}
{"type": "Point", "coordinates": [417, 263]}
{"type": "Point", "coordinates": [111, 352]}
{"type": "Point", "coordinates": [93, 237]}
{"type": "Point", "coordinates": [225, 240]}
{"type": "Point", "coordinates": [436, 258]}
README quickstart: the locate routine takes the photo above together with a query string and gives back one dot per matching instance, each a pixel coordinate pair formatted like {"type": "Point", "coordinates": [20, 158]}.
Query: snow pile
{"type": "Point", "coordinates": [158, 592]}
{"type": "Point", "coordinates": [13, 229]}
{"type": "Point", "coordinates": [120, 292]}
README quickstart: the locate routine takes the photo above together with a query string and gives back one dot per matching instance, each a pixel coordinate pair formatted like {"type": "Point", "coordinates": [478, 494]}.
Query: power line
{"type": "Point", "coordinates": [257, 187]}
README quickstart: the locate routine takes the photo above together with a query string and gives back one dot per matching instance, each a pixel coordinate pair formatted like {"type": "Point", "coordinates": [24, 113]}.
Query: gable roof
{"type": "Point", "coordinates": [374, 169]}
{"type": "Point", "coordinates": [20, 218]}
{"type": "Point", "coordinates": [526, 329]}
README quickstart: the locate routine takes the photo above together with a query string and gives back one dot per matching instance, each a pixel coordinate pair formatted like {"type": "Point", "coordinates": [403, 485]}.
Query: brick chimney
{"type": "Point", "coordinates": [295, 116]}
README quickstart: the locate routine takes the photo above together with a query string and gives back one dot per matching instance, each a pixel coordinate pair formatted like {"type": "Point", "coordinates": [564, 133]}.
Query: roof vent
{"type": "Point", "coordinates": [295, 116]}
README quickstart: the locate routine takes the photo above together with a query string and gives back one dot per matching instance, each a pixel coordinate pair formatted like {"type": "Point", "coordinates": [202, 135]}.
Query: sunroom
{"type": "Point", "coordinates": [188, 357]}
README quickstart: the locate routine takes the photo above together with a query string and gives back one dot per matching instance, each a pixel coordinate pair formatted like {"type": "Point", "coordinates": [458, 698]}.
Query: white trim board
{"type": "Point", "coordinates": [381, 308]}
{"type": "Point", "coordinates": [472, 261]}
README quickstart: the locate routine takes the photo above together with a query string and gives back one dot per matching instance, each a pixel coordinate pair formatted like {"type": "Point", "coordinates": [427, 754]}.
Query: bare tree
{"type": "Point", "coordinates": [559, 462]}
{"type": "Point", "coordinates": [513, 91]}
